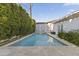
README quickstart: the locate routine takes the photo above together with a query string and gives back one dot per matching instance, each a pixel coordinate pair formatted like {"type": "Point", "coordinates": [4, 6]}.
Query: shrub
{"type": "Point", "coordinates": [72, 37]}
{"type": "Point", "coordinates": [62, 35]}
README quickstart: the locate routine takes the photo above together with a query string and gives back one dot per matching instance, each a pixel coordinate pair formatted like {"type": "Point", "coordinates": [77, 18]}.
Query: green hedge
{"type": "Point", "coordinates": [72, 37]}
{"type": "Point", "coordinates": [62, 35]}
{"type": "Point", "coordinates": [14, 20]}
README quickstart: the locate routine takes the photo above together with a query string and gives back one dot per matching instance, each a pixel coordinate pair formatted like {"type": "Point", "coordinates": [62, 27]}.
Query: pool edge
{"type": "Point", "coordinates": [53, 36]}
{"type": "Point", "coordinates": [16, 40]}
{"type": "Point", "coordinates": [61, 40]}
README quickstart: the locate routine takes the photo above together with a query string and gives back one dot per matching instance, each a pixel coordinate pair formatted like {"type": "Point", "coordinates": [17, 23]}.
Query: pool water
{"type": "Point", "coordinates": [38, 40]}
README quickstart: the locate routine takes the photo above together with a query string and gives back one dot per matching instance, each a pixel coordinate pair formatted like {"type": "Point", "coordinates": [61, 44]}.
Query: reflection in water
{"type": "Point", "coordinates": [50, 40]}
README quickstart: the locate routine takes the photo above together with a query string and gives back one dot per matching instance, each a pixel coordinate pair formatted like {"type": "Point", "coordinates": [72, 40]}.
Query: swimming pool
{"type": "Point", "coordinates": [39, 40]}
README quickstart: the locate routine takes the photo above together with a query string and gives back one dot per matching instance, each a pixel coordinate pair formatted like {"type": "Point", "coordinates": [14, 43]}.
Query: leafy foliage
{"type": "Point", "coordinates": [14, 20]}
{"type": "Point", "coordinates": [72, 37]}
{"type": "Point", "coordinates": [62, 35]}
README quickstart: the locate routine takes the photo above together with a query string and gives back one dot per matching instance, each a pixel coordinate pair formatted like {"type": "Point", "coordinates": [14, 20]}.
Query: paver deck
{"type": "Point", "coordinates": [40, 51]}
{"type": "Point", "coordinates": [70, 50]}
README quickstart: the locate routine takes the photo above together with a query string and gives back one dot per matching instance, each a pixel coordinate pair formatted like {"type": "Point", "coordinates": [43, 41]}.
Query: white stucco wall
{"type": "Point", "coordinates": [42, 28]}
{"type": "Point", "coordinates": [68, 26]}
{"type": "Point", "coordinates": [50, 25]}
{"type": "Point", "coordinates": [55, 28]}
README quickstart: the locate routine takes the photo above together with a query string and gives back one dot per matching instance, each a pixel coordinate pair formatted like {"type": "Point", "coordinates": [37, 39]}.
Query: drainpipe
{"type": "Point", "coordinates": [61, 26]}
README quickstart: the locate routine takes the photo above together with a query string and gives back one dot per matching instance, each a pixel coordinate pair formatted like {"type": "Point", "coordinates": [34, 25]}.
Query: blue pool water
{"type": "Point", "coordinates": [38, 40]}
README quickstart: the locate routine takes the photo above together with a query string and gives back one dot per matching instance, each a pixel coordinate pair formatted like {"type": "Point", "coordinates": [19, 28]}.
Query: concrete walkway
{"type": "Point", "coordinates": [70, 50]}
{"type": "Point", "coordinates": [40, 51]}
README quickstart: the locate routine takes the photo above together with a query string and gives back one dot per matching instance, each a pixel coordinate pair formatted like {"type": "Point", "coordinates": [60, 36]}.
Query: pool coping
{"type": "Point", "coordinates": [51, 35]}
{"type": "Point", "coordinates": [61, 40]}
{"type": "Point", "coordinates": [16, 40]}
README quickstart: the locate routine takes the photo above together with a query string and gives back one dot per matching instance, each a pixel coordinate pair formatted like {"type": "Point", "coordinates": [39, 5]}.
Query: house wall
{"type": "Point", "coordinates": [42, 28]}
{"type": "Point", "coordinates": [55, 28]}
{"type": "Point", "coordinates": [68, 26]}
{"type": "Point", "coordinates": [50, 25]}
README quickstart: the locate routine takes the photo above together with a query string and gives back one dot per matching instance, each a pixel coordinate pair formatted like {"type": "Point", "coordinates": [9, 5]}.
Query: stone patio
{"type": "Point", "coordinates": [70, 50]}
{"type": "Point", "coordinates": [40, 51]}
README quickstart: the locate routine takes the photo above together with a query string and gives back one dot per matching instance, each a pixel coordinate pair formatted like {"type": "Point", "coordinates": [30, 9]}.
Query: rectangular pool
{"type": "Point", "coordinates": [38, 40]}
